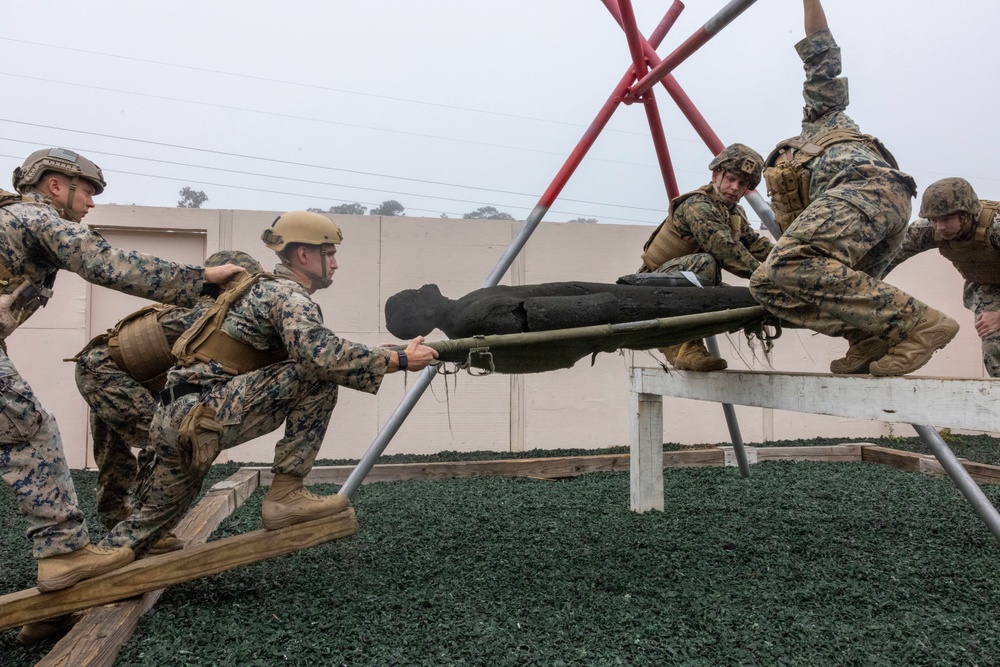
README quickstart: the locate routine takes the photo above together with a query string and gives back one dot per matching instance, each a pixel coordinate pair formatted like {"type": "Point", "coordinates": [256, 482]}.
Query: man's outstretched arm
{"type": "Point", "coordinates": [815, 18]}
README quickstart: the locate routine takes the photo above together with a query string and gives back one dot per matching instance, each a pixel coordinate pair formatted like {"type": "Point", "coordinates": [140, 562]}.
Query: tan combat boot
{"type": "Point", "coordinates": [64, 570]}
{"type": "Point", "coordinates": [934, 330]}
{"type": "Point", "coordinates": [670, 353]}
{"type": "Point", "coordinates": [694, 356]}
{"type": "Point", "coordinates": [859, 356]}
{"type": "Point", "coordinates": [288, 502]}
{"type": "Point", "coordinates": [48, 630]}
{"type": "Point", "coordinates": [165, 545]}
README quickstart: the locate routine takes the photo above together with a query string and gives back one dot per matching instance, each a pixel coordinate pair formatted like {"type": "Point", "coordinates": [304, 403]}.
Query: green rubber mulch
{"type": "Point", "coordinates": [802, 564]}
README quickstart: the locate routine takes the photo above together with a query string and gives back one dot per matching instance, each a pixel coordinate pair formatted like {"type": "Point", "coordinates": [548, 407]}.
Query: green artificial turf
{"type": "Point", "coordinates": [802, 564]}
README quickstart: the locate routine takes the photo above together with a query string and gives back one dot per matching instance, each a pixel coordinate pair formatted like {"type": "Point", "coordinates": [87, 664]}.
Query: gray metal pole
{"type": "Point", "coordinates": [423, 381]}
{"type": "Point", "coordinates": [734, 425]}
{"type": "Point", "coordinates": [961, 477]}
{"type": "Point", "coordinates": [763, 211]}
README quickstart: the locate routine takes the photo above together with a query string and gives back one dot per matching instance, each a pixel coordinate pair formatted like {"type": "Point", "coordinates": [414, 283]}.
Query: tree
{"type": "Point", "coordinates": [388, 207]}
{"type": "Point", "coordinates": [487, 213]}
{"type": "Point", "coordinates": [191, 198]}
{"type": "Point", "coordinates": [583, 220]}
{"type": "Point", "coordinates": [347, 209]}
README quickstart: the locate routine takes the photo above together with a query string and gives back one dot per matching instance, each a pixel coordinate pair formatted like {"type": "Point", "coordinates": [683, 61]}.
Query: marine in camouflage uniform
{"type": "Point", "coordinates": [122, 405]}
{"type": "Point", "coordinates": [966, 231]}
{"type": "Point", "coordinates": [210, 405]}
{"type": "Point", "coordinates": [822, 273]}
{"type": "Point", "coordinates": [40, 233]}
{"type": "Point", "coordinates": [707, 231]}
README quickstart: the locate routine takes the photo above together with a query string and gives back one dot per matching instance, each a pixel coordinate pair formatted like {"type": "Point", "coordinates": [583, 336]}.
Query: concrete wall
{"type": "Point", "coordinates": [585, 406]}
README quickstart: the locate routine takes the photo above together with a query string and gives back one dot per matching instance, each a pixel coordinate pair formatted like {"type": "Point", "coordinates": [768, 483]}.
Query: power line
{"type": "Point", "coordinates": [290, 162]}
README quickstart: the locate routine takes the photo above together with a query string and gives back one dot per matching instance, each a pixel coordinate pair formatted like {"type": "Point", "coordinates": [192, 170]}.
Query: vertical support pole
{"type": "Point", "coordinates": [645, 448]}
{"type": "Point", "coordinates": [961, 477]}
{"type": "Point", "coordinates": [731, 422]}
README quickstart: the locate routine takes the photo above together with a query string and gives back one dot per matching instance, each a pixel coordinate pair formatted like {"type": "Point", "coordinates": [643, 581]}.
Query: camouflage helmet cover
{"type": "Point", "coordinates": [60, 160]}
{"type": "Point", "coordinates": [947, 196]}
{"type": "Point", "coordinates": [740, 159]}
{"type": "Point", "coordinates": [301, 227]}
{"type": "Point", "coordinates": [237, 257]}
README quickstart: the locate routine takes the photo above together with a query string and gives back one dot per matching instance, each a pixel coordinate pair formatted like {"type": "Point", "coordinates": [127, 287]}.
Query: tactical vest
{"type": "Point", "coordinates": [666, 242]}
{"type": "Point", "coordinates": [19, 297]}
{"type": "Point", "coordinates": [205, 341]}
{"type": "Point", "coordinates": [788, 182]}
{"type": "Point", "coordinates": [139, 346]}
{"type": "Point", "coordinates": [976, 259]}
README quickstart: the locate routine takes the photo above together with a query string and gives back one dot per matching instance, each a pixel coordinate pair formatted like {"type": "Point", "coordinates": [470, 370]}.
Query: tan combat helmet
{"type": "Point", "coordinates": [60, 160]}
{"type": "Point", "coordinates": [300, 227]}
{"type": "Point", "coordinates": [740, 159]}
{"type": "Point", "coordinates": [947, 196]}
{"type": "Point", "coordinates": [308, 228]}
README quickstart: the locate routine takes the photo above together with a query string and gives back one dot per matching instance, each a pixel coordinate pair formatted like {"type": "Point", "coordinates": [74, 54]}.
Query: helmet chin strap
{"type": "Point", "coordinates": [316, 281]}
{"type": "Point", "coordinates": [66, 211]}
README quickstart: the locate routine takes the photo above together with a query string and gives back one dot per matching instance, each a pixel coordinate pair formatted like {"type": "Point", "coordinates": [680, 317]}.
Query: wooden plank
{"type": "Point", "coordinates": [100, 633]}
{"type": "Point", "coordinates": [844, 453]}
{"type": "Point", "coordinates": [942, 402]}
{"type": "Point", "coordinates": [552, 467]}
{"type": "Point", "coordinates": [892, 458]}
{"type": "Point", "coordinates": [730, 460]}
{"type": "Point", "coordinates": [646, 453]}
{"type": "Point", "coordinates": [694, 458]}
{"type": "Point", "coordinates": [195, 562]}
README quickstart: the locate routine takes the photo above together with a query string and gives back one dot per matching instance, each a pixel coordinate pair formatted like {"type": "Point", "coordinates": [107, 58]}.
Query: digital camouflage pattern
{"type": "Point", "coordinates": [34, 243]}
{"type": "Point", "coordinates": [740, 159]}
{"type": "Point", "coordinates": [978, 298]}
{"type": "Point", "coordinates": [705, 220]}
{"type": "Point", "coordinates": [301, 391]}
{"type": "Point", "coordinates": [121, 409]}
{"type": "Point", "coordinates": [821, 272]}
{"type": "Point", "coordinates": [947, 196]}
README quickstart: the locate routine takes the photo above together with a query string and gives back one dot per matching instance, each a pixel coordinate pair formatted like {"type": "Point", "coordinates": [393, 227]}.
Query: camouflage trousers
{"type": "Point", "coordinates": [701, 264]}
{"type": "Point", "coordinates": [32, 462]}
{"type": "Point", "coordinates": [820, 273]}
{"type": "Point", "coordinates": [120, 412]}
{"type": "Point", "coordinates": [245, 407]}
{"type": "Point", "coordinates": [985, 299]}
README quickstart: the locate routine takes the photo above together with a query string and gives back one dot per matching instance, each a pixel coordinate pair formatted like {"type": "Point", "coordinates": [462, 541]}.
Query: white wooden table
{"type": "Point", "coordinates": [939, 402]}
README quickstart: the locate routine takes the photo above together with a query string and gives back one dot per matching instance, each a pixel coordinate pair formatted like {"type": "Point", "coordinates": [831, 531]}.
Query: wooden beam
{"type": "Point", "coordinates": [941, 402]}
{"type": "Point", "coordinates": [96, 638]}
{"type": "Point", "coordinates": [150, 574]}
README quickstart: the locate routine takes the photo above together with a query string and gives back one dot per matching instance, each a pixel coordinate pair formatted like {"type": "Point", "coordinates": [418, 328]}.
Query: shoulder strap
{"type": "Point", "coordinates": [205, 340]}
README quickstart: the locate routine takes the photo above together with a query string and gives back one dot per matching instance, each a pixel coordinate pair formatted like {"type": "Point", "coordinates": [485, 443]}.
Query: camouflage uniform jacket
{"type": "Point", "coordinates": [842, 169]}
{"type": "Point", "coordinates": [35, 242]}
{"type": "Point", "coordinates": [705, 219]}
{"type": "Point", "coordinates": [277, 313]}
{"type": "Point", "coordinates": [920, 237]}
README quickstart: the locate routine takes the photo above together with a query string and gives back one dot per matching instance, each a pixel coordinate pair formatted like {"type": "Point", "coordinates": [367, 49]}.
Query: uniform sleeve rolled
{"type": "Point", "coordinates": [825, 91]}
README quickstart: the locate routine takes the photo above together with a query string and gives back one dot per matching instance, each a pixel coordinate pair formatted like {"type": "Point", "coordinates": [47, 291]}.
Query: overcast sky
{"type": "Point", "coordinates": [450, 105]}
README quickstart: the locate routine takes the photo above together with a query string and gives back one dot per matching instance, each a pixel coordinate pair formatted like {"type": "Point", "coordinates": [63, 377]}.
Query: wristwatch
{"type": "Point", "coordinates": [403, 361]}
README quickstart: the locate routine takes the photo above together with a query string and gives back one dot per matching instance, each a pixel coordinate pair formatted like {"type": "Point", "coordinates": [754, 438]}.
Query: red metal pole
{"type": "Point", "coordinates": [693, 43]}
{"type": "Point", "coordinates": [635, 45]}
{"type": "Point", "coordinates": [604, 115]}
{"type": "Point", "coordinates": [626, 19]}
